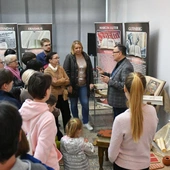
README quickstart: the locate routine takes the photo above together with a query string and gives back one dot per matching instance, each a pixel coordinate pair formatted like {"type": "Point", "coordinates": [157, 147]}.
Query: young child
{"type": "Point", "coordinates": [75, 149]}
{"type": "Point", "coordinates": [51, 102]}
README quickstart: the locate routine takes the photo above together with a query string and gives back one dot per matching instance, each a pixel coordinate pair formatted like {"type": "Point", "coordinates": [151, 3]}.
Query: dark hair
{"type": "Point", "coordinates": [23, 145]}
{"type": "Point", "coordinates": [52, 100]}
{"type": "Point", "coordinates": [34, 65]}
{"type": "Point", "coordinates": [49, 56]}
{"type": "Point", "coordinates": [38, 85]}
{"type": "Point", "coordinates": [27, 56]}
{"type": "Point", "coordinates": [5, 77]}
{"type": "Point", "coordinates": [43, 41]}
{"type": "Point", "coordinates": [9, 51]}
{"type": "Point", "coordinates": [11, 122]}
{"type": "Point", "coordinates": [121, 48]}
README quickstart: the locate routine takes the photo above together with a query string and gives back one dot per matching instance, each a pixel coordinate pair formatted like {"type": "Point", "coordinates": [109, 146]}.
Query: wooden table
{"type": "Point", "coordinates": [103, 145]}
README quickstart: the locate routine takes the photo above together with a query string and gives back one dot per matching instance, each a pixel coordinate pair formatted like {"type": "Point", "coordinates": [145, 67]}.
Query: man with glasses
{"type": "Point", "coordinates": [46, 45]}
{"type": "Point", "coordinates": [115, 95]}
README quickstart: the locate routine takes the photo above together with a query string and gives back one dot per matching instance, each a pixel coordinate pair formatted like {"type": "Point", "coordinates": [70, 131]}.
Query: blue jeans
{"type": "Point", "coordinates": [84, 101]}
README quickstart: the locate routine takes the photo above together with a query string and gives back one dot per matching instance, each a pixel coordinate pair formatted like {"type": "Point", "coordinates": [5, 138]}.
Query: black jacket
{"type": "Point", "coordinates": [71, 68]}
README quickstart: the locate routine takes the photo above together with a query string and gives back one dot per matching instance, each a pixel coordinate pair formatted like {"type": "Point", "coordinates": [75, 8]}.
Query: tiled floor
{"type": "Point", "coordinates": [103, 120]}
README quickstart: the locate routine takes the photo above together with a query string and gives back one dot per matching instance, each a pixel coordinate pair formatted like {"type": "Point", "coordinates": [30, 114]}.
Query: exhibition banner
{"type": "Point", "coordinates": [107, 36]}
{"type": "Point", "coordinates": [30, 36]}
{"type": "Point", "coordinates": [137, 40]}
{"type": "Point", "coordinates": [8, 37]}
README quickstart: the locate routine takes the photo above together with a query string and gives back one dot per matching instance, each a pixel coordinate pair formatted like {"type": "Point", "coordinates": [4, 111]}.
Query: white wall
{"type": "Point", "coordinates": [158, 14]}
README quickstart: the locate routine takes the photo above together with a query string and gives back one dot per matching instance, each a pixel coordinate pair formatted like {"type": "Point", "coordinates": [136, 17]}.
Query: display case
{"type": "Point", "coordinates": [100, 102]}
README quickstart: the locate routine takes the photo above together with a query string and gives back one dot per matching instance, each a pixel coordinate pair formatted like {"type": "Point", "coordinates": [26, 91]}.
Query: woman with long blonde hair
{"type": "Point", "coordinates": [134, 129]}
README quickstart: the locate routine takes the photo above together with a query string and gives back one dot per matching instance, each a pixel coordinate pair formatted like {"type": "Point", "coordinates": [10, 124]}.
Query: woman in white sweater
{"type": "Point", "coordinates": [134, 129]}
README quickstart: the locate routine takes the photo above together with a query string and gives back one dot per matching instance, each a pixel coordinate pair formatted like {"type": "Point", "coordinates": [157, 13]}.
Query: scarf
{"type": "Point", "coordinates": [15, 72]}
{"type": "Point", "coordinates": [53, 68]}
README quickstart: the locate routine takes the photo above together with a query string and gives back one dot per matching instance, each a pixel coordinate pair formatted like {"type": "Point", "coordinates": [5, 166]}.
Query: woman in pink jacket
{"type": "Point", "coordinates": [39, 122]}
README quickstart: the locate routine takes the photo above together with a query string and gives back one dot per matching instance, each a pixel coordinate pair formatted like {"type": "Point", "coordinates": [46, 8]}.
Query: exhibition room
{"type": "Point", "coordinates": [88, 81]}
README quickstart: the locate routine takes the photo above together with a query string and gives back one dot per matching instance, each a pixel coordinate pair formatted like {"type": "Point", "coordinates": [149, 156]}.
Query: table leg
{"type": "Point", "coordinates": [101, 154]}
{"type": "Point", "coordinates": [106, 155]}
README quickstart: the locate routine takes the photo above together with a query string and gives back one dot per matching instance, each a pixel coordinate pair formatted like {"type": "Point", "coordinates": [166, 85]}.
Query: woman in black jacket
{"type": "Point", "coordinates": [79, 69]}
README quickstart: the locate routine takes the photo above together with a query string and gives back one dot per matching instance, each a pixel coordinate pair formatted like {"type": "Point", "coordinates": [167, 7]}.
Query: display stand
{"type": "Point", "coordinates": [100, 98]}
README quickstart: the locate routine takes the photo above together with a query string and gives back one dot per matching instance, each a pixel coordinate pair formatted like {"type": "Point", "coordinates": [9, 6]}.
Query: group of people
{"type": "Point", "coordinates": [45, 87]}
{"type": "Point", "coordinates": [134, 124]}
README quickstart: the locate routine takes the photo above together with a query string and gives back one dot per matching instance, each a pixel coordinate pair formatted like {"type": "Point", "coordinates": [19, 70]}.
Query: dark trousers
{"type": "Point", "coordinates": [117, 111]}
{"type": "Point", "coordinates": [65, 110]}
{"type": "Point", "coordinates": [116, 167]}
{"type": "Point", "coordinates": [59, 133]}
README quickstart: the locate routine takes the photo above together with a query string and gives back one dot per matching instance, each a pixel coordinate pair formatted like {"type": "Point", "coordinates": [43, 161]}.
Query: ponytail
{"type": "Point", "coordinates": [135, 84]}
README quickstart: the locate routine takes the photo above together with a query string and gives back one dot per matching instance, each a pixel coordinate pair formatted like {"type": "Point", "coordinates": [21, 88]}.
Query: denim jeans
{"type": "Point", "coordinates": [84, 101]}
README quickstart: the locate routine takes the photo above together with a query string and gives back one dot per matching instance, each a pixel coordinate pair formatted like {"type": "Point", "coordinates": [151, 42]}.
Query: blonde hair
{"type": "Point", "coordinates": [135, 83]}
{"type": "Point", "coordinates": [73, 125]}
{"type": "Point", "coordinates": [73, 46]}
{"type": "Point", "coordinates": [26, 75]}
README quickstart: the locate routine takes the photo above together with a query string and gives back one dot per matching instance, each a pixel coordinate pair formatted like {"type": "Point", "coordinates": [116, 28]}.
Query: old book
{"type": "Point", "coordinates": [154, 86]}
{"type": "Point", "coordinates": [167, 138]}
{"type": "Point", "coordinates": [153, 158]}
{"type": "Point", "coordinates": [154, 100]}
{"type": "Point", "coordinates": [104, 135]}
{"type": "Point", "coordinates": [156, 166]}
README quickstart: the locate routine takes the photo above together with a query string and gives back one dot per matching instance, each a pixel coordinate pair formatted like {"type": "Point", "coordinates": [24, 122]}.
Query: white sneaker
{"type": "Point", "coordinates": [88, 126]}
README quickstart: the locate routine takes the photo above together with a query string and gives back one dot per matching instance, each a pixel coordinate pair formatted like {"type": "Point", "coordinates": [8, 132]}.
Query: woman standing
{"type": "Point", "coordinates": [134, 129]}
{"type": "Point", "coordinates": [12, 65]}
{"type": "Point", "coordinates": [79, 69]}
{"type": "Point", "coordinates": [58, 86]}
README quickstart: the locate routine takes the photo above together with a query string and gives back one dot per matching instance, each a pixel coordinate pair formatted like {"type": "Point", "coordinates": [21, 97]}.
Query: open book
{"type": "Point", "coordinates": [154, 86]}
{"type": "Point", "coordinates": [162, 141]}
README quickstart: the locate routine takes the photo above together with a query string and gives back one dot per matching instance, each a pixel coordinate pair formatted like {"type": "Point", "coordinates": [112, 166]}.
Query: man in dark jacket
{"type": "Point", "coordinates": [115, 80]}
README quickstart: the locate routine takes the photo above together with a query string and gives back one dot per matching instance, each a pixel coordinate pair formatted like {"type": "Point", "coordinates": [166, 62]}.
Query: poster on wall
{"type": "Point", "coordinates": [30, 36]}
{"type": "Point", "coordinates": [8, 37]}
{"type": "Point", "coordinates": [137, 40]}
{"type": "Point", "coordinates": [107, 36]}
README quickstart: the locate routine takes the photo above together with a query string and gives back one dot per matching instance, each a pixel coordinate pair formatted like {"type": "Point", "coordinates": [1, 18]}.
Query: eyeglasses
{"type": "Point", "coordinates": [116, 52]}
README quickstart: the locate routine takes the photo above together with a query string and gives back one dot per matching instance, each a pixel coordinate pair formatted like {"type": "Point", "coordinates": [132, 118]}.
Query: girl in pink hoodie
{"type": "Point", "coordinates": [39, 122]}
